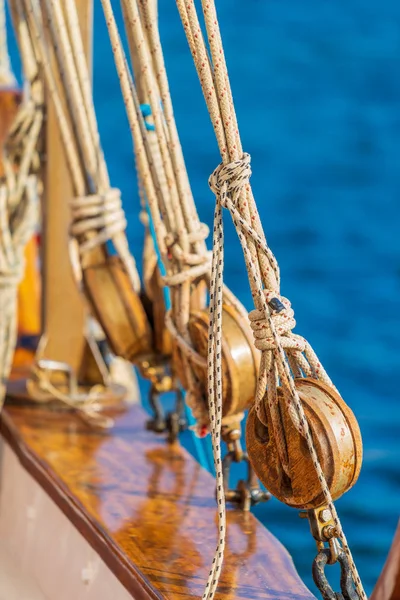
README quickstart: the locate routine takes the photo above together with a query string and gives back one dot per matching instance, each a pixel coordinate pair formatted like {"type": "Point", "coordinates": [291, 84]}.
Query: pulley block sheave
{"type": "Point", "coordinates": [335, 435]}
{"type": "Point", "coordinates": [115, 304]}
{"type": "Point", "coordinates": [240, 360]}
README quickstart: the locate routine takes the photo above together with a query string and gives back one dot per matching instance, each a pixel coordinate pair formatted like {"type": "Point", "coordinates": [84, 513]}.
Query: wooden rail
{"type": "Point", "coordinates": [146, 508]}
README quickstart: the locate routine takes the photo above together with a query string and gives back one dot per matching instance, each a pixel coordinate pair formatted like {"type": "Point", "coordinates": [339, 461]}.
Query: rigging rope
{"type": "Point", "coordinates": [7, 78]}
{"type": "Point", "coordinates": [97, 211]}
{"type": "Point", "coordinates": [284, 354]}
{"type": "Point", "coordinates": [105, 219]}
{"type": "Point", "coordinates": [180, 235]}
{"type": "Point", "coordinates": [18, 199]}
{"type": "Point", "coordinates": [180, 245]}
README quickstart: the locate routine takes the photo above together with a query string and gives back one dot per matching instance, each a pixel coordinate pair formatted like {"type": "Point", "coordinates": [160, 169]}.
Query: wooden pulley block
{"type": "Point", "coordinates": [178, 366]}
{"type": "Point", "coordinates": [198, 301]}
{"type": "Point", "coordinates": [116, 306]}
{"type": "Point", "coordinates": [337, 440]}
{"type": "Point", "coordinates": [162, 342]}
{"type": "Point", "coordinates": [240, 359]}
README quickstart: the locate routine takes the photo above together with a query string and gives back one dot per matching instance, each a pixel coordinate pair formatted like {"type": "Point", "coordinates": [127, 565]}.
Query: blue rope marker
{"type": "Point", "coordinates": [202, 456]}
{"type": "Point", "coordinates": [146, 112]}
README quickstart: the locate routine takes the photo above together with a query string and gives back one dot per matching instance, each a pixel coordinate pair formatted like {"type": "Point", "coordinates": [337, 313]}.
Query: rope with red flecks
{"type": "Point", "coordinates": [284, 354]}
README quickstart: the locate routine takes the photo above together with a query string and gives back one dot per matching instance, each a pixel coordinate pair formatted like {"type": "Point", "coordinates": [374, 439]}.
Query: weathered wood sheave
{"type": "Point", "coordinates": [146, 508]}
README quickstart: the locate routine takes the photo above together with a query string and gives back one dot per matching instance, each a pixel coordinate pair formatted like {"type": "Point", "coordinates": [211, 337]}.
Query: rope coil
{"type": "Point", "coordinates": [96, 218]}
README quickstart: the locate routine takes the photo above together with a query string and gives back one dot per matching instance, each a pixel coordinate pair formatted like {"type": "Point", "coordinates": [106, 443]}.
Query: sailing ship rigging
{"type": "Point", "coordinates": [303, 441]}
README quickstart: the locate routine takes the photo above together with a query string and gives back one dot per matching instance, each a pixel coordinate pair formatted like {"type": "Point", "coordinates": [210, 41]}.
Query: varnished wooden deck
{"type": "Point", "coordinates": [147, 509]}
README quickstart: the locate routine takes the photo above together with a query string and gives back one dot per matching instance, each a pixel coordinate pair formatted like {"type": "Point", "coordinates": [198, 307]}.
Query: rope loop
{"type": "Point", "coordinates": [191, 273]}
{"type": "Point", "coordinates": [96, 218]}
{"type": "Point", "coordinates": [176, 242]}
{"type": "Point", "coordinates": [282, 317]}
{"type": "Point", "coordinates": [192, 264]}
{"type": "Point", "coordinates": [231, 178]}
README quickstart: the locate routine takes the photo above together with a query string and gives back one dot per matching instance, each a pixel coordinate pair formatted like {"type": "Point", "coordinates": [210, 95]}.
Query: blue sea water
{"type": "Point", "coordinates": [317, 90]}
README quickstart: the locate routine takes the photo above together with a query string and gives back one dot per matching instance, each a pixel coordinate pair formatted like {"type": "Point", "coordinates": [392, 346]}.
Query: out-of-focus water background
{"type": "Point", "coordinates": [317, 92]}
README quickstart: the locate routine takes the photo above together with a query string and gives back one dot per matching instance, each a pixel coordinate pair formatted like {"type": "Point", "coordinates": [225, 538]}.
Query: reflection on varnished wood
{"type": "Point", "coordinates": [147, 509]}
{"type": "Point", "coordinates": [159, 525]}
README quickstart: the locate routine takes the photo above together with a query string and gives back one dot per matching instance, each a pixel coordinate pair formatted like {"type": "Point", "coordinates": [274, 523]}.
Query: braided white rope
{"type": "Point", "coordinates": [280, 348]}
{"type": "Point", "coordinates": [101, 214]}
{"type": "Point", "coordinates": [18, 208]}
{"type": "Point", "coordinates": [181, 245]}
{"type": "Point", "coordinates": [31, 35]}
{"type": "Point", "coordinates": [13, 239]}
{"type": "Point", "coordinates": [82, 143]}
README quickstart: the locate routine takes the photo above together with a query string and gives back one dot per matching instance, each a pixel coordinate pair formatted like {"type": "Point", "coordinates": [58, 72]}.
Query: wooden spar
{"type": "Point", "coordinates": [145, 513]}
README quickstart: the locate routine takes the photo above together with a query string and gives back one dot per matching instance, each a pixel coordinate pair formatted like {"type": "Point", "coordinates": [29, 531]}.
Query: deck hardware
{"type": "Point", "coordinates": [323, 531]}
{"type": "Point", "coordinates": [346, 583]}
{"type": "Point", "coordinates": [162, 381]}
{"type": "Point", "coordinates": [248, 492]}
{"type": "Point", "coordinates": [276, 305]}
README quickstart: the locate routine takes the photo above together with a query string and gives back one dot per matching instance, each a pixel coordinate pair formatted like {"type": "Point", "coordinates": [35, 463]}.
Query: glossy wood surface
{"type": "Point", "coordinates": [148, 509]}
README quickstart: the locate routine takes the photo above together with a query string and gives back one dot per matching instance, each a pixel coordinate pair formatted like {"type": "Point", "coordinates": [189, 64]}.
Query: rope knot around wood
{"type": "Point", "coordinates": [96, 218]}
{"type": "Point", "coordinates": [231, 178]}
{"type": "Point", "coordinates": [192, 264]}
{"type": "Point", "coordinates": [176, 242]}
{"type": "Point", "coordinates": [282, 318]}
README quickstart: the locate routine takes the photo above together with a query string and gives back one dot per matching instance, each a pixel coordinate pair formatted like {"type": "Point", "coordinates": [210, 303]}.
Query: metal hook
{"type": "Point", "coordinates": [346, 582]}
{"type": "Point", "coordinates": [174, 422]}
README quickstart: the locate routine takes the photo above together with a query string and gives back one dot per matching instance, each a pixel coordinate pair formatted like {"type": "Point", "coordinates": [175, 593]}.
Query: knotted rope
{"type": "Point", "coordinates": [100, 215]}
{"type": "Point", "coordinates": [14, 235]}
{"type": "Point", "coordinates": [180, 235]}
{"type": "Point", "coordinates": [284, 355]}
{"type": "Point", "coordinates": [19, 191]}
{"type": "Point", "coordinates": [97, 219]}
{"type": "Point", "coordinates": [86, 404]}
